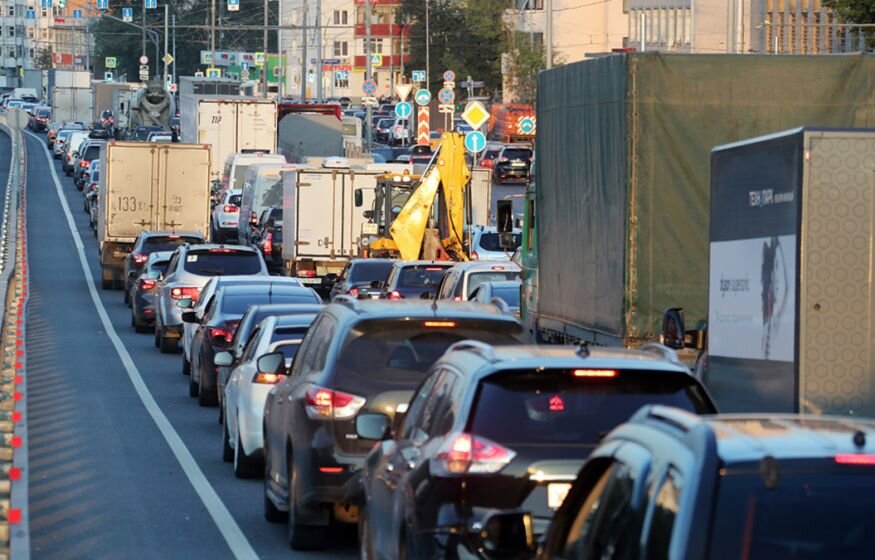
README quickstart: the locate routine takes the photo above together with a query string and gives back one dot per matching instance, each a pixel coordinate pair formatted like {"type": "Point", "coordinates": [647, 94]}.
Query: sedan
{"type": "Point", "coordinates": [264, 363]}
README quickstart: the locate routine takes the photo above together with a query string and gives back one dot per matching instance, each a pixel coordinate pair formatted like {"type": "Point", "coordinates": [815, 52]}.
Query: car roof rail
{"type": "Point", "coordinates": [501, 305]}
{"type": "Point", "coordinates": [663, 350]}
{"type": "Point", "coordinates": [676, 417]}
{"type": "Point", "coordinates": [486, 351]}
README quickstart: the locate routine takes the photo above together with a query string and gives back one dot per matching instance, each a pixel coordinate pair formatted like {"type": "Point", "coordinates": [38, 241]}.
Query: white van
{"type": "Point", "coordinates": [236, 165]}
{"type": "Point", "coordinates": [262, 188]}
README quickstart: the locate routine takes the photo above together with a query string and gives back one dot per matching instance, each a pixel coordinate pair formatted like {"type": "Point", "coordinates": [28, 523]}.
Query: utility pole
{"type": "Point", "coordinates": [264, 50]}
{"type": "Point", "coordinates": [427, 56]}
{"type": "Point", "coordinates": [166, 38]}
{"type": "Point", "coordinates": [369, 111]}
{"type": "Point", "coordinates": [143, 50]}
{"type": "Point", "coordinates": [319, 47]}
{"type": "Point", "coordinates": [174, 49]}
{"type": "Point", "coordinates": [213, 32]}
{"type": "Point", "coordinates": [549, 33]}
{"type": "Point", "coordinates": [304, 56]}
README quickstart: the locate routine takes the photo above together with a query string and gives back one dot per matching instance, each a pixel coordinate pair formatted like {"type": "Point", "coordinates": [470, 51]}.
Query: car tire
{"type": "Point", "coordinates": [302, 537]}
{"type": "Point", "coordinates": [366, 549]}
{"type": "Point", "coordinates": [192, 386]}
{"type": "Point", "coordinates": [186, 365]}
{"type": "Point", "coordinates": [204, 397]}
{"type": "Point", "coordinates": [139, 328]}
{"type": "Point", "coordinates": [127, 298]}
{"type": "Point", "coordinates": [227, 450]}
{"type": "Point", "coordinates": [168, 345]}
{"type": "Point", "coordinates": [106, 284]}
{"type": "Point", "coordinates": [244, 465]}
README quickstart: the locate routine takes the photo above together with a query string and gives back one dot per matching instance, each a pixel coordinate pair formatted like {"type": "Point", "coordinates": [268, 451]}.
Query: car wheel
{"type": "Point", "coordinates": [244, 465]}
{"type": "Point", "coordinates": [127, 298]}
{"type": "Point", "coordinates": [301, 537]}
{"type": "Point", "coordinates": [205, 397]}
{"type": "Point", "coordinates": [168, 345]}
{"type": "Point", "coordinates": [186, 365]}
{"type": "Point", "coordinates": [192, 386]}
{"type": "Point", "coordinates": [366, 549]}
{"type": "Point", "coordinates": [140, 328]}
{"type": "Point", "coordinates": [106, 284]}
{"type": "Point", "coordinates": [271, 513]}
{"type": "Point", "coordinates": [227, 450]}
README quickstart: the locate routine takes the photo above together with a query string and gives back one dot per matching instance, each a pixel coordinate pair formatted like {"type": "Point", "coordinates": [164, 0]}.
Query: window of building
{"type": "Point", "coordinates": [341, 48]}
{"type": "Point", "coordinates": [44, 12]}
{"type": "Point", "coordinates": [380, 15]}
{"type": "Point", "coordinates": [10, 31]}
{"type": "Point", "coordinates": [31, 53]}
{"type": "Point", "coordinates": [11, 10]}
{"type": "Point", "coordinates": [341, 17]}
{"type": "Point", "coordinates": [30, 33]}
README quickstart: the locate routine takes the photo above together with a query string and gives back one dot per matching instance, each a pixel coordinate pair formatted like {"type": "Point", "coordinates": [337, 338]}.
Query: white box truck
{"type": "Point", "coordinates": [229, 125]}
{"type": "Point", "coordinates": [152, 186]}
{"type": "Point", "coordinates": [72, 104]}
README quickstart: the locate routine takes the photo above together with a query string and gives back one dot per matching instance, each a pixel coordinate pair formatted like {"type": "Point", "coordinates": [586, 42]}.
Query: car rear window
{"type": "Point", "coordinates": [167, 242]}
{"type": "Point", "coordinates": [574, 406]}
{"type": "Point", "coordinates": [511, 296]}
{"type": "Point", "coordinates": [91, 152]}
{"type": "Point", "coordinates": [489, 242]}
{"type": "Point", "coordinates": [160, 266]}
{"type": "Point", "coordinates": [43, 112]}
{"type": "Point", "coordinates": [290, 339]}
{"type": "Point", "coordinates": [369, 271]}
{"type": "Point", "coordinates": [421, 276]}
{"type": "Point", "coordinates": [238, 304]}
{"type": "Point", "coordinates": [477, 278]}
{"type": "Point", "coordinates": [402, 351]}
{"type": "Point", "coordinates": [517, 154]}
{"type": "Point", "coordinates": [222, 262]}
{"type": "Point", "coordinates": [235, 199]}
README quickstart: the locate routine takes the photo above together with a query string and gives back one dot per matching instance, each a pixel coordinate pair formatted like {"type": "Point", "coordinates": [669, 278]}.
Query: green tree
{"type": "Point", "coordinates": [44, 58]}
{"type": "Point", "coordinates": [853, 11]}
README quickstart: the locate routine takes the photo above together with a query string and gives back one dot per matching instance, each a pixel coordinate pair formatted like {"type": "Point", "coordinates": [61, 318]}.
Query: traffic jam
{"type": "Point", "coordinates": [482, 343]}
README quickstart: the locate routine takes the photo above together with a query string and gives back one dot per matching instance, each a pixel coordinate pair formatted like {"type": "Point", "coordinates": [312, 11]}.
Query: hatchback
{"type": "Point", "coordinates": [486, 244]}
{"type": "Point", "coordinates": [461, 281]}
{"type": "Point", "coordinates": [142, 290]}
{"type": "Point", "coordinates": [514, 162]}
{"type": "Point", "coordinates": [361, 277]}
{"type": "Point", "coordinates": [89, 151]}
{"type": "Point", "coordinates": [149, 241]}
{"type": "Point", "coordinates": [414, 279]}
{"type": "Point", "coordinates": [269, 239]}
{"type": "Point", "coordinates": [225, 214]}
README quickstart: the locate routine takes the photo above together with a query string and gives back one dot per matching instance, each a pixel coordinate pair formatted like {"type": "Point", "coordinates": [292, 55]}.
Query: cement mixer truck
{"type": "Point", "coordinates": [151, 105]}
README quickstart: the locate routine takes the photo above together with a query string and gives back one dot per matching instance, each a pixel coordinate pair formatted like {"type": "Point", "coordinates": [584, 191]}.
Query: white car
{"type": "Point", "coordinates": [485, 244]}
{"type": "Point", "coordinates": [264, 363]}
{"type": "Point", "coordinates": [226, 214]}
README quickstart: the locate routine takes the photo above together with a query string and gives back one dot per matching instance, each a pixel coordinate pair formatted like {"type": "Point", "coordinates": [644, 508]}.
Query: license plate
{"type": "Point", "coordinates": [556, 493]}
{"type": "Point", "coordinates": [518, 164]}
{"type": "Point", "coordinates": [119, 254]}
{"type": "Point", "coordinates": [310, 280]}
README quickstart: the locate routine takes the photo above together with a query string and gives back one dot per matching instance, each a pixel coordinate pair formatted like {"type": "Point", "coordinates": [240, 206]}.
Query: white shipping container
{"type": "Point", "coordinates": [72, 78]}
{"type": "Point", "coordinates": [72, 104]}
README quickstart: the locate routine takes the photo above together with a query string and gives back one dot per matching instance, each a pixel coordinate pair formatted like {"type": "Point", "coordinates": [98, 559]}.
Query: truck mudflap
{"type": "Point", "coordinates": [112, 264]}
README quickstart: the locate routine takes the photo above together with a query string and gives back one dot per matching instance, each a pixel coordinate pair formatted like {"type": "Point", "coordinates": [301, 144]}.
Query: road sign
{"type": "Point", "coordinates": [244, 75]}
{"type": "Point", "coordinates": [472, 84]}
{"type": "Point", "coordinates": [403, 109]}
{"type": "Point", "coordinates": [233, 5]}
{"type": "Point", "coordinates": [244, 66]}
{"type": "Point", "coordinates": [369, 87]}
{"type": "Point", "coordinates": [144, 59]}
{"type": "Point", "coordinates": [376, 59]}
{"type": "Point", "coordinates": [422, 97]}
{"type": "Point", "coordinates": [527, 125]}
{"type": "Point", "coordinates": [403, 91]}
{"type": "Point", "coordinates": [259, 59]}
{"type": "Point", "coordinates": [419, 76]}
{"type": "Point", "coordinates": [168, 59]}
{"type": "Point", "coordinates": [30, 14]}
{"type": "Point", "coordinates": [17, 118]}
{"type": "Point", "coordinates": [475, 141]}
{"type": "Point", "coordinates": [77, 14]}
{"type": "Point", "coordinates": [172, 88]}
{"type": "Point", "coordinates": [107, 76]}
{"type": "Point", "coordinates": [207, 58]}
{"type": "Point", "coordinates": [198, 74]}
{"type": "Point", "coordinates": [422, 127]}
{"type": "Point", "coordinates": [102, 4]}
{"type": "Point", "coordinates": [475, 114]}
{"type": "Point", "coordinates": [444, 108]}
{"type": "Point", "coordinates": [449, 76]}
{"type": "Point", "coordinates": [341, 75]}
{"type": "Point", "coordinates": [128, 14]}
{"type": "Point", "coordinates": [446, 96]}
{"type": "Point", "coordinates": [151, 4]}
{"type": "Point", "coordinates": [214, 72]}
{"type": "Point", "coordinates": [110, 62]}
{"type": "Point", "coordinates": [144, 72]}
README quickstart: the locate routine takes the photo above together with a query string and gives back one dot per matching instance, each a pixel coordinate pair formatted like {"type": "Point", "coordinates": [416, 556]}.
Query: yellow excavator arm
{"type": "Point", "coordinates": [450, 174]}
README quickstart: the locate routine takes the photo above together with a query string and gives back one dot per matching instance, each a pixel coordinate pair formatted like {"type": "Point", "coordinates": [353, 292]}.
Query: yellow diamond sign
{"type": "Point", "coordinates": [475, 114]}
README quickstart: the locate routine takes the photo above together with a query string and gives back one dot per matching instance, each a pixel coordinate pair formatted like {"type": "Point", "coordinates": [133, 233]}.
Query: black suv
{"type": "Point", "coordinates": [414, 279]}
{"type": "Point", "coordinates": [360, 277]}
{"type": "Point", "coordinates": [514, 162]}
{"type": "Point", "coordinates": [358, 356]}
{"type": "Point", "coordinates": [148, 242]}
{"type": "Point", "coordinates": [496, 428]}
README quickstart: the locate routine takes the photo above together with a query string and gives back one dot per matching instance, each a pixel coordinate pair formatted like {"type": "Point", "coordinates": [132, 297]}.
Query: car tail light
{"type": "Point", "coordinates": [469, 454]}
{"type": "Point", "coordinates": [69, 157]}
{"type": "Point", "coordinates": [230, 209]}
{"type": "Point", "coordinates": [502, 160]}
{"type": "Point", "coordinates": [603, 373]}
{"type": "Point", "coordinates": [354, 291]}
{"type": "Point", "coordinates": [307, 273]}
{"type": "Point", "coordinates": [457, 298]}
{"type": "Point", "coordinates": [221, 332]}
{"type": "Point", "coordinates": [268, 378]}
{"type": "Point", "coordinates": [268, 244]}
{"type": "Point", "coordinates": [83, 163]}
{"type": "Point", "coordinates": [185, 292]}
{"type": "Point", "coordinates": [93, 186]}
{"type": "Point", "coordinates": [395, 295]}
{"type": "Point", "coordinates": [140, 258]}
{"type": "Point", "coordinates": [475, 256]}
{"type": "Point", "coordinates": [440, 324]}
{"type": "Point", "coordinates": [147, 283]}
{"type": "Point", "coordinates": [855, 459]}
{"type": "Point", "coordinates": [324, 404]}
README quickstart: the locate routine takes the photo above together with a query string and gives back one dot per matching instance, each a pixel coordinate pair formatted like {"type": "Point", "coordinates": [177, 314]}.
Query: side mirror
{"type": "Point", "coordinates": [673, 328]}
{"type": "Point", "coordinates": [189, 317]}
{"type": "Point", "coordinates": [359, 198]}
{"type": "Point", "coordinates": [504, 216]}
{"type": "Point", "coordinates": [223, 359]}
{"type": "Point", "coordinates": [373, 426]}
{"type": "Point", "coordinates": [507, 535]}
{"type": "Point", "coordinates": [368, 214]}
{"type": "Point", "coordinates": [274, 362]}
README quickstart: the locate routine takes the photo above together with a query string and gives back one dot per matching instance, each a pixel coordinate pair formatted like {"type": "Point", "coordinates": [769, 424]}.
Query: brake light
{"type": "Point", "coordinates": [595, 373]}
{"type": "Point", "coordinates": [354, 292]}
{"type": "Point", "coordinates": [140, 258]}
{"type": "Point", "coordinates": [497, 268]}
{"type": "Point", "coordinates": [502, 160]}
{"type": "Point", "coordinates": [855, 459]}
{"type": "Point", "coordinates": [468, 454]}
{"type": "Point", "coordinates": [230, 209]}
{"type": "Point", "coordinates": [147, 283]}
{"type": "Point", "coordinates": [324, 404]}
{"type": "Point", "coordinates": [307, 273]}
{"type": "Point", "coordinates": [457, 298]}
{"type": "Point", "coordinates": [186, 292]}
{"type": "Point", "coordinates": [221, 332]}
{"type": "Point", "coordinates": [440, 324]}
{"type": "Point", "coordinates": [475, 256]}
{"type": "Point", "coordinates": [93, 186]}
{"type": "Point", "coordinates": [268, 244]}
{"type": "Point", "coordinates": [83, 163]}
{"type": "Point", "coordinates": [69, 157]}
{"type": "Point", "coordinates": [268, 378]}
{"type": "Point", "coordinates": [395, 295]}
{"type": "Point", "coordinates": [434, 268]}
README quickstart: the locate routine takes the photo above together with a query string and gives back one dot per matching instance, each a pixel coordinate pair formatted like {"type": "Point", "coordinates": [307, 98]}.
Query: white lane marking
{"type": "Point", "coordinates": [232, 533]}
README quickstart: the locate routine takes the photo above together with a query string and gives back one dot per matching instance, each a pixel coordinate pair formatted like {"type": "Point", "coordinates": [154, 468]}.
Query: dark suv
{"type": "Point", "coordinates": [148, 242]}
{"type": "Point", "coordinates": [414, 279]}
{"type": "Point", "coordinates": [360, 277]}
{"type": "Point", "coordinates": [358, 356]}
{"type": "Point", "coordinates": [496, 428]}
{"type": "Point", "coordinates": [514, 162]}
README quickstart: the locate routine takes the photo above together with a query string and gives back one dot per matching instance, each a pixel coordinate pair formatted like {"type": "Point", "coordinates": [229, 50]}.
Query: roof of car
{"type": "Point", "coordinates": [238, 279]}
{"type": "Point", "coordinates": [209, 246]}
{"type": "Point", "coordinates": [159, 256]}
{"type": "Point", "coordinates": [162, 233]}
{"type": "Point", "coordinates": [486, 265]}
{"type": "Point", "coordinates": [299, 320]}
{"type": "Point", "coordinates": [404, 264]}
{"type": "Point", "coordinates": [276, 287]}
{"type": "Point", "coordinates": [418, 309]}
{"type": "Point", "coordinates": [503, 284]}
{"type": "Point", "coordinates": [356, 260]}
{"type": "Point", "coordinates": [279, 308]}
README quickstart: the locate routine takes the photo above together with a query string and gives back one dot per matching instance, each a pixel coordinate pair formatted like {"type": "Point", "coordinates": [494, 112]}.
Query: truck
{"type": "Point", "coordinates": [199, 85]}
{"type": "Point", "coordinates": [151, 105]}
{"type": "Point", "coordinates": [790, 287]}
{"type": "Point", "coordinates": [229, 125]}
{"type": "Point", "coordinates": [148, 186]}
{"type": "Point", "coordinates": [66, 79]}
{"type": "Point", "coordinates": [104, 94]}
{"type": "Point", "coordinates": [70, 93]}
{"type": "Point", "coordinates": [506, 120]}
{"type": "Point", "coordinates": [618, 218]}
{"type": "Point", "coordinates": [306, 130]}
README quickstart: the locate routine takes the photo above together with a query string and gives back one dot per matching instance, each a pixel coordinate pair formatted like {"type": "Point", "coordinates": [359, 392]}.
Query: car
{"type": "Point", "coordinates": [206, 296]}
{"type": "Point", "coordinates": [106, 119]}
{"type": "Point", "coordinates": [71, 150]}
{"type": "Point", "coordinates": [486, 244]}
{"type": "Point", "coordinates": [142, 290]}
{"type": "Point", "coordinates": [420, 154]}
{"type": "Point", "coordinates": [60, 141]}
{"type": "Point", "coordinates": [215, 331]}
{"type": "Point", "coordinates": [360, 277]}
{"type": "Point", "coordinates": [269, 239]}
{"type": "Point", "coordinates": [100, 134]}
{"type": "Point", "coordinates": [93, 208]}
{"type": "Point", "coordinates": [59, 125]}
{"type": "Point", "coordinates": [141, 132]}
{"type": "Point", "coordinates": [263, 364]}
{"type": "Point", "coordinates": [668, 484]}
{"type": "Point", "coordinates": [160, 136]}
{"type": "Point", "coordinates": [513, 162]}
{"type": "Point", "coordinates": [40, 120]}
{"type": "Point", "coordinates": [501, 428]}
{"type": "Point", "coordinates": [89, 151]}
{"type": "Point", "coordinates": [490, 152]}
{"type": "Point", "coordinates": [237, 164]}
{"type": "Point", "coordinates": [461, 281]}
{"type": "Point", "coordinates": [149, 241]}
{"type": "Point", "coordinates": [191, 266]}
{"type": "Point", "coordinates": [400, 132]}
{"type": "Point", "coordinates": [92, 182]}
{"type": "Point", "coordinates": [414, 279]}
{"type": "Point", "coordinates": [434, 139]}
{"type": "Point", "coordinates": [383, 129]}
{"type": "Point", "coordinates": [358, 356]}
{"type": "Point", "coordinates": [502, 293]}
{"type": "Point", "coordinates": [225, 214]}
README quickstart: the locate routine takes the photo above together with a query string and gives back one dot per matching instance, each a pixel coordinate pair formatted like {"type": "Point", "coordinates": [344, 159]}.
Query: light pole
{"type": "Point", "coordinates": [427, 55]}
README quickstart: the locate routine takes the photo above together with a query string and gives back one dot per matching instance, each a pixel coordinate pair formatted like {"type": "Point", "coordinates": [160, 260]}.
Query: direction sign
{"type": "Point", "coordinates": [403, 91]}
{"type": "Point", "coordinates": [168, 59]}
{"type": "Point", "coordinates": [472, 84]}
{"type": "Point", "coordinates": [475, 114]}
{"type": "Point", "coordinates": [419, 76]}
{"type": "Point", "coordinates": [449, 76]}
{"type": "Point", "coordinates": [233, 5]}
{"type": "Point", "coordinates": [446, 96]}
{"type": "Point", "coordinates": [259, 59]}
{"type": "Point", "coordinates": [341, 75]}
{"type": "Point", "coordinates": [369, 87]}
{"type": "Point", "coordinates": [144, 59]}
{"type": "Point", "coordinates": [369, 100]}
{"type": "Point", "coordinates": [422, 97]}
{"type": "Point", "coordinates": [475, 141]}
{"type": "Point", "coordinates": [214, 72]}
{"type": "Point", "coordinates": [30, 14]}
{"type": "Point", "coordinates": [144, 72]}
{"type": "Point", "coordinates": [77, 14]}
{"type": "Point", "coordinates": [403, 109]}
{"type": "Point", "coordinates": [110, 62]}
{"type": "Point", "coordinates": [526, 125]}
{"type": "Point", "coordinates": [102, 4]}
{"type": "Point", "coordinates": [107, 76]}
{"type": "Point", "coordinates": [128, 14]}
{"type": "Point", "coordinates": [244, 75]}
{"type": "Point", "coordinates": [151, 4]}
{"type": "Point", "coordinates": [376, 59]}
{"type": "Point", "coordinates": [422, 126]}
{"type": "Point", "coordinates": [244, 66]}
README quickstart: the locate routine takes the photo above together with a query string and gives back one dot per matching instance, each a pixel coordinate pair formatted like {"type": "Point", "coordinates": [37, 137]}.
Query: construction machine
{"type": "Point", "coordinates": [404, 221]}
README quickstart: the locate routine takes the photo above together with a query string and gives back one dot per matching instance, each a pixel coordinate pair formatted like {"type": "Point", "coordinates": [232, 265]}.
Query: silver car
{"type": "Point", "coordinates": [189, 270]}
{"type": "Point", "coordinates": [60, 141]}
{"type": "Point", "coordinates": [462, 279]}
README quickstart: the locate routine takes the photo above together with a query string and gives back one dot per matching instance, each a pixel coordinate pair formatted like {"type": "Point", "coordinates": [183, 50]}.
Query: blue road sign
{"type": "Point", "coordinates": [77, 14]}
{"type": "Point", "coordinates": [527, 125]}
{"type": "Point", "coordinates": [128, 14]}
{"type": "Point", "coordinates": [475, 141]}
{"type": "Point", "coordinates": [446, 96]}
{"type": "Point", "coordinates": [403, 109]}
{"type": "Point", "coordinates": [449, 76]}
{"type": "Point", "coordinates": [419, 75]}
{"type": "Point", "coordinates": [422, 97]}
{"type": "Point", "coordinates": [30, 14]}
{"type": "Point", "coordinates": [233, 5]}
{"type": "Point", "coordinates": [244, 65]}
{"type": "Point", "coordinates": [150, 4]}
{"type": "Point", "coordinates": [369, 87]}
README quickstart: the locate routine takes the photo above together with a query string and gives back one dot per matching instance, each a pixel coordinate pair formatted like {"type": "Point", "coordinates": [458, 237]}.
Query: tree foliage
{"type": "Point", "coordinates": [44, 58]}
{"type": "Point", "coordinates": [853, 11]}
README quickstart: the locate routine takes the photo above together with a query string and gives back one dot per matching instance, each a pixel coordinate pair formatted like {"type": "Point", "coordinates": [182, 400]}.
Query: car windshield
{"type": "Point", "coordinates": [421, 276]}
{"type": "Point", "coordinates": [489, 242]}
{"type": "Point", "coordinates": [167, 242]}
{"type": "Point", "coordinates": [517, 154]}
{"type": "Point", "coordinates": [219, 262]}
{"type": "Point", "coordinates": [477, 278]}
{"type": "Point", "coordinates": [363, 271]}
{"type": "Point", "coordinates": [811, 513]}
{"type": "Point", "coordinates": [573, 406]}
{"type": "Point", "coordinates": [159, 266]}
{"type": "Point", "coordinates": [289, 339]}
{"type": "Point", "coordinates": [510, 295]}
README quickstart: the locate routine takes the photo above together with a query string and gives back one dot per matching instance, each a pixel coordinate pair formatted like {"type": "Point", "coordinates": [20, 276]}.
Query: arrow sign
{"type": "Point", "coordinates": [526, 125]}
{"type": "Point", "coordinates": [475, 141]}
{"type": "Point", "coordinates": [422, 97]}
{"type": "Point", "coordinates": [128, 14]}
{"type": "Point", "coordinates": [422, 126]}
{"type": "Point", "coordinates": [403, 109]}
{"type": "Point", "coordinates": [403, 91]}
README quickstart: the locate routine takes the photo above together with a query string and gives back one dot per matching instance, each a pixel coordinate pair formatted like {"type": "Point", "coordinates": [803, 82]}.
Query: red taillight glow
{"type": "Point", "coordinates": [331, 470]}
{"type": "Point", "coordinates": [855, 459]}
{"type": "Point", "coordinates": [595, 373]}
{"type": "Point", "coordinates": [140, 258]}
{"type": "Point", "coordinates": [307, 273]}
{"type": "Point", "coordinates": [440, 324]}
{"type": "Point", "coordinates": [457, 298]}
{"type": "Point", "coordinates": [84, 163]}
{"type": "Point", "coordinates": [268, 378]}
{"type": "Point", "coordinates": [268, 244]}
{"type": "Point", "coordinates": [186, 292]}
{"type": "Point", "coordinates": [475, 256]}
{"type": "Point", "coordinates": [324, 404]}
{"type": "Point", "coordinates": [354, 292]}
{"type": "Point", "coordinates": [230, 209]}
{"type": "Point", "coordinates": [465, 453]}
{"type": "Point", "coordinates": [221, 332]}
{"type": "Point", "coordinates": [556, 404]}
{"type": "Point", "coordinates": [497, 268]}
{"type": "Point", "coordinates": [147, 283]}
{"type": "Point", "coordinates": [395, 295]}
{"type": "Point", "coordinates": [69, 157]}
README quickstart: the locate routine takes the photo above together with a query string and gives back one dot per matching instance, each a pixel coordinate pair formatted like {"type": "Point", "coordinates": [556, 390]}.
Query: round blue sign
{"type": "Point", "coordinates": [449, 76]}
{"type": "Point", "coordinates": [475, 141]}
{"type": "Point", "coordinates": [422, 97]}
{"type": "Point", "coordinates": [369, 87]}
{"type": "Point", "coordinates": [446, 96]}
{"type": "Point", "coordinates": [403, 109]}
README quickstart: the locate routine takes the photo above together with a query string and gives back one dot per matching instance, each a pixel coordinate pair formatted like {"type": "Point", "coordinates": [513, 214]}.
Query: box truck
{"type": "Point", "coordinates": [72, 104]}
{"type": "Point", "coordinates": [104, 93]}
{"type": "Point", "coordinates": [148, 186]}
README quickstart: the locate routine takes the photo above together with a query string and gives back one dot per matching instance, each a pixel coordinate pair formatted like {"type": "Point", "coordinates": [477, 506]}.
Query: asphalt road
{"type": "Point", "coordinates": [123, 464]}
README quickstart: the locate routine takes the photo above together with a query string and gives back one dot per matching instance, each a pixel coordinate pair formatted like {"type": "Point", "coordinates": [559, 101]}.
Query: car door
{"type": "Point", "coordinates": [201, 332]}
{"type": "Point", "coordinates": [241, 374]}
{"type": "Point", "coordinates": [163, 291]}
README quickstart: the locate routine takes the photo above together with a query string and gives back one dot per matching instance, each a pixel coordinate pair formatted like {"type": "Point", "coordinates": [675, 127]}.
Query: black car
{"type": "Point", "coordinates": [383, 130]}
{"type": "Point", "coordinates": [39, 122]}
{"type": "Point", "coordinates": [420, 154]}
{"type": "Point", "coordinates": [100, 134]}
{"type": "Point", "coordinates": [149, 242]}
{"type": "Point", "coordinates": [269, 239]}
{"type": "Point", "coordinates": [361, 277]}
{"type": "Point", "coordinates": [141, 133]}
{"type": "Point", "coordinates": [359, 356]}
{"type": "Point", "coordinates": [216, 331]}
{"type": "Point", "coordinates": [142, 291]}
{"type": "Point", "coordinates": [106, 120]}
{"type": "Point", "coordinates": [514, 162]}
{"type": "Point", "coordinates": [414, 279]}
{"type": "Point", "coordinates": [88, 151]}
{"type": "Point", "coordinates": [501, 429]}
